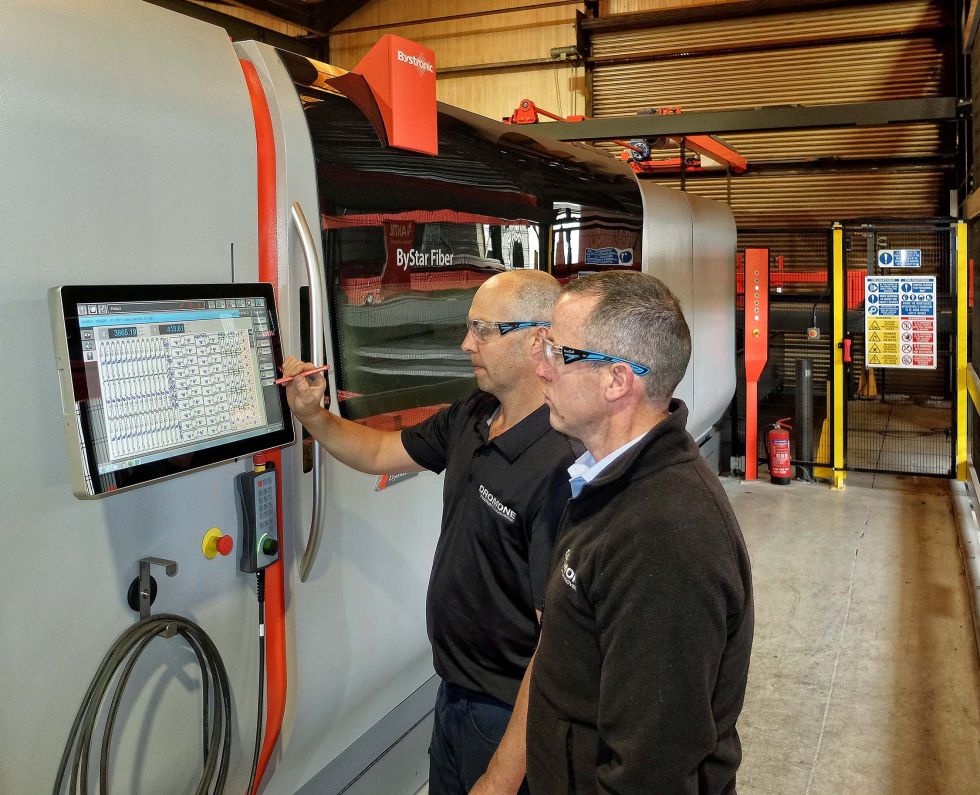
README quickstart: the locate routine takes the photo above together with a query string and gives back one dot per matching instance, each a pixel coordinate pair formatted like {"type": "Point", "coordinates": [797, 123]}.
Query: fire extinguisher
{"type": "Point", "coordinates": [777, 447]}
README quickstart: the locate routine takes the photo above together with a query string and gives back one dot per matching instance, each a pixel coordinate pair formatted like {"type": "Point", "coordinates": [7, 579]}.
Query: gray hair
{"type": "Point", "coordinates": [639, 319]}
{"type": "Point", "coordinates": [534, 294]}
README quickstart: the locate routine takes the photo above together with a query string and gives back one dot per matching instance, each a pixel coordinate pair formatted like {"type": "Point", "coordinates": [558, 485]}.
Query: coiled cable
{"type": "Point", "coordinates": [125, 651]}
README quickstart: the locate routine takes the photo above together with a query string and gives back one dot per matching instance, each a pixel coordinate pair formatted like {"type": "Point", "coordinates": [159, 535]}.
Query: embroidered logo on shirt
{"type": "Point", "coordinates": [497, 506]}
{"type": "Point", "coordinates": [568, 573]}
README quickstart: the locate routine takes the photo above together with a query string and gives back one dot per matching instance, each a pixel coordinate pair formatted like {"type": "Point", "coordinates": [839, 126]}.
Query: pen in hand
{"type": "Point", "coordinates": [314, 371]}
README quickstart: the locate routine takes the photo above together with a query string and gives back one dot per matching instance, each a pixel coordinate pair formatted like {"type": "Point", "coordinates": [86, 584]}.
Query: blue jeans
{"type": "Point", "coordinates": [467, 730]}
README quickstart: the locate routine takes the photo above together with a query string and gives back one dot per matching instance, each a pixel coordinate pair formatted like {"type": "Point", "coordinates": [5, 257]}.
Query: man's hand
{"type": "Point", "coordinates": [305, 395]}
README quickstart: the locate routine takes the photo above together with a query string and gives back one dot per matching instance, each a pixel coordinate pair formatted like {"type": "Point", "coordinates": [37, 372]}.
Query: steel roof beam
{"type": "Point", "coordinates": [774, 117]}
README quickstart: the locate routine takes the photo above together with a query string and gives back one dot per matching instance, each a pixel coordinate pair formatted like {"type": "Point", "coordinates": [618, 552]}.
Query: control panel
{"type": "Point", "coordinates": [756, 311]}
{"type": "Point", "coordinates": [257, 512]}
{"type": "Point", "coordinates": [158, 380]}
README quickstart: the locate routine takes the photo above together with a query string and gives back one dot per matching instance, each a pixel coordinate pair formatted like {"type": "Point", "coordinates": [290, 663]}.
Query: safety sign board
{"type": "Point", "coordinates": [900, 322]}
{"type": "Point", "coordinates": [900, 258]}
{"type": "Point", "coordinates": [609, 256]}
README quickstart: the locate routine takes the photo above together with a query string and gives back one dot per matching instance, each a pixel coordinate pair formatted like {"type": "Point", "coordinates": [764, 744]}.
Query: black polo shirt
{"type": "Point", "coordinates": [502, 501]}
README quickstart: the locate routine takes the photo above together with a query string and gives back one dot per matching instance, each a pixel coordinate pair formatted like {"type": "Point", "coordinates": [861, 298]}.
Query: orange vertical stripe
{"type": "Point", "coordinates": [275, 614]}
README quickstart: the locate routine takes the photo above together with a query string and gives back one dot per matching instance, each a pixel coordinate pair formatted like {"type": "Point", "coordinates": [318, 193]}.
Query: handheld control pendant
{"type": "Point", "coordinates": [257, 513]}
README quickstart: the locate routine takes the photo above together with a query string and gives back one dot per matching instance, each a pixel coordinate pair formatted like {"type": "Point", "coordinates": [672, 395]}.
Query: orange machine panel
{"type": "Point", "coordinates": [756, 346]}
{"type": "Point", "coordinates": [402, 77]}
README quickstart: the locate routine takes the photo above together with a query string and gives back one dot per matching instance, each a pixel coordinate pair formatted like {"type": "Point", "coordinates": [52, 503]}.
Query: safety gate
{"type": "Point", "coordinates": [899, 388]}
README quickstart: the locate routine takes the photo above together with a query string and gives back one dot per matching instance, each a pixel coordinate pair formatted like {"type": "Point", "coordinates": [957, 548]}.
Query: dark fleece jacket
{"type": "Point", "coordinates": [644, 652]}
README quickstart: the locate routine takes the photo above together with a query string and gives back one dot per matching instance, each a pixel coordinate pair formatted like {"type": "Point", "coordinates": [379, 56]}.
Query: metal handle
{"type": "Point", "coordinates": [315, 280]}
{"type": "Point", "coordinates": [146, 589]}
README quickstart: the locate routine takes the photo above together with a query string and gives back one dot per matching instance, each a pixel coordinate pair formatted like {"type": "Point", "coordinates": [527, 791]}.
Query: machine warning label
{"type": "Point", "coordinates": [900, 322]}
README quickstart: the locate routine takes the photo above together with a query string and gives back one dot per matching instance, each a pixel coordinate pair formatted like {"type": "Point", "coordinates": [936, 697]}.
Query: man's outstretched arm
{"type": "Point", "coordinates": [362, 448]}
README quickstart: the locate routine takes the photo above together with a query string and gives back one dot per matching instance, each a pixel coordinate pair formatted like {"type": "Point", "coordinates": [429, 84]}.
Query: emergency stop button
{"type": "Point", "coordinates": [216, 543]}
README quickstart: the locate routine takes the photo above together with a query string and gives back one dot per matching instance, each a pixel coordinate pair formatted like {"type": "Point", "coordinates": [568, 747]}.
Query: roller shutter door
{"type": "Point", "coordinates": [856, 53]}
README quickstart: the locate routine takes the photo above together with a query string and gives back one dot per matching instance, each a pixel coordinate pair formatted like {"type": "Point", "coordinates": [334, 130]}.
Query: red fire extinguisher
{"type": "Point", "coordinates": [777, 447]}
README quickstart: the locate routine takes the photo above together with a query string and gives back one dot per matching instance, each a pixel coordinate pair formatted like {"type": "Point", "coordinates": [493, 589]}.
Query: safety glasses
{"type": "Point", "coordinates": [483, 330]}
{"type": "Point", "coordinates": [555, 355]}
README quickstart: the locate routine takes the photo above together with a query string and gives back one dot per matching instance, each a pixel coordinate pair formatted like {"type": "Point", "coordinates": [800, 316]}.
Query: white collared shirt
{"type": "Point", "coordinates": [586, 468]}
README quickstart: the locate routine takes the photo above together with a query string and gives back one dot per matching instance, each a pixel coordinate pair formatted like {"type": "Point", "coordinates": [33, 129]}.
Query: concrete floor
{"type": "Point", "coordinates": [864, 674]}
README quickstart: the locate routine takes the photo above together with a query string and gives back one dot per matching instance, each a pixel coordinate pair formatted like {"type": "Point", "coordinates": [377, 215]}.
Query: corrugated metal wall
{"type": "Point", "coordinates": [819, 198]}
{"type": "Point", "coordinates": [856, 53]}
{"type": "Point", "coordinates": [489, 55]}
{"type": "Point", "coordinates": [800, 146]}
{"type": "Point", "coordinates": [903, 18]}
{"type": "Point", "coordinates": [809, 75]}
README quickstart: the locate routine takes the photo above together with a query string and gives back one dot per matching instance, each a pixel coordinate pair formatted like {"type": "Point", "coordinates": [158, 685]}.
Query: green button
{"type": "Point", "coordinates": [268, 546]}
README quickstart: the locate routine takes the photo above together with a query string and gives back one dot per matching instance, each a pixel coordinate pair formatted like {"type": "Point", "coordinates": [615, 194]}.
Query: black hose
{"type": "Point", "coordinates": [111, 719]}
{"type": "Point", "coordinates": [125, 651]}
{"type": "Point", "coordinates": [260, 592]}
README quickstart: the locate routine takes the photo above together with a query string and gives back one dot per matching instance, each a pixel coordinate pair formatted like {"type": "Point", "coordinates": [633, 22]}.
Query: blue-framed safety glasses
{"type": "Point", "coordinates": [556, 354]}
{"type": "Point", "coordinates": [484, 329]}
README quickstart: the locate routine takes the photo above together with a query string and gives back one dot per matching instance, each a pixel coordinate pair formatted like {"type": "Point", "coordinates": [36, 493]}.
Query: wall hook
{"type": "Point", "coordinates": [143, 589]}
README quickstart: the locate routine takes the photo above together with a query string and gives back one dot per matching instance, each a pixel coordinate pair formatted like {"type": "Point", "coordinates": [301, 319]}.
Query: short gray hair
{"type": "Point", "coordinates": [534, 294]}
{"type": "Point", "coordinates": [637, 318]}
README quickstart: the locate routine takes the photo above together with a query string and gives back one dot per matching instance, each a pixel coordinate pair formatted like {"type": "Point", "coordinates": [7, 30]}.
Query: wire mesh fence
{"type": "Point", "coordinates": [899, 419]}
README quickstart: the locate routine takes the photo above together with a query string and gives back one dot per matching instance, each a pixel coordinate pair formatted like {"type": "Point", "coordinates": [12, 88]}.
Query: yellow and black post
{"type": "Point", "coordinates": [962, 361]}
{"type": "Point", "coordinates": [839, 281]}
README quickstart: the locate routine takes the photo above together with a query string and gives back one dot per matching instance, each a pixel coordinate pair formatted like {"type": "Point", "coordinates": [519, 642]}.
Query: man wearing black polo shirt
{"type": "Point", "coordinates": [505, 488]}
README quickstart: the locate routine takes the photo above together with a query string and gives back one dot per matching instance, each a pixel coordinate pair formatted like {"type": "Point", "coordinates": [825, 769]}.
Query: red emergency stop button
{"type": "Point", "coordinates": [216, 543]}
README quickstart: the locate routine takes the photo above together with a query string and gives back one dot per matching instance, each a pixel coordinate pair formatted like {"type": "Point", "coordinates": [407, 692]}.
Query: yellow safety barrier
{"type": "Point", "coordinates": [867, 386]}
{"type": "Point", "coordinates": [838, 474]}
{"type": "Point", "coordinates": [823, 447]}
{"type": "Point", "coordinates": [963, 382]}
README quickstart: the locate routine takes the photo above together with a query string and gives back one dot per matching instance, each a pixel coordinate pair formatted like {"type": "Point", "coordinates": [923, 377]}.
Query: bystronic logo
{"type": "Point", "coordinates": [418, 62]}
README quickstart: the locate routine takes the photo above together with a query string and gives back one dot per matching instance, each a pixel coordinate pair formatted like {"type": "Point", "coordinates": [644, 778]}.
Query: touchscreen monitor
{"type": "Point", "coordinates": [159, 380]}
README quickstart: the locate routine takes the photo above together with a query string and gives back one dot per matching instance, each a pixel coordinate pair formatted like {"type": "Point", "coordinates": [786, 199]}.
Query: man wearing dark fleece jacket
{"type": "Point", "coordinates": [640, 671]}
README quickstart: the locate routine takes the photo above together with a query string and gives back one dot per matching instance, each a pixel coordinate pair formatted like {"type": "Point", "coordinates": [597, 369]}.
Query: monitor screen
{"type": "Point", "coordinates": [159, 380]}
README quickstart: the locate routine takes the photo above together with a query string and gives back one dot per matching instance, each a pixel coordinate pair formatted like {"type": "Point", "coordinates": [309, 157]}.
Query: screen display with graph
{"type": "Point", "coordinates": [163, 379]}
